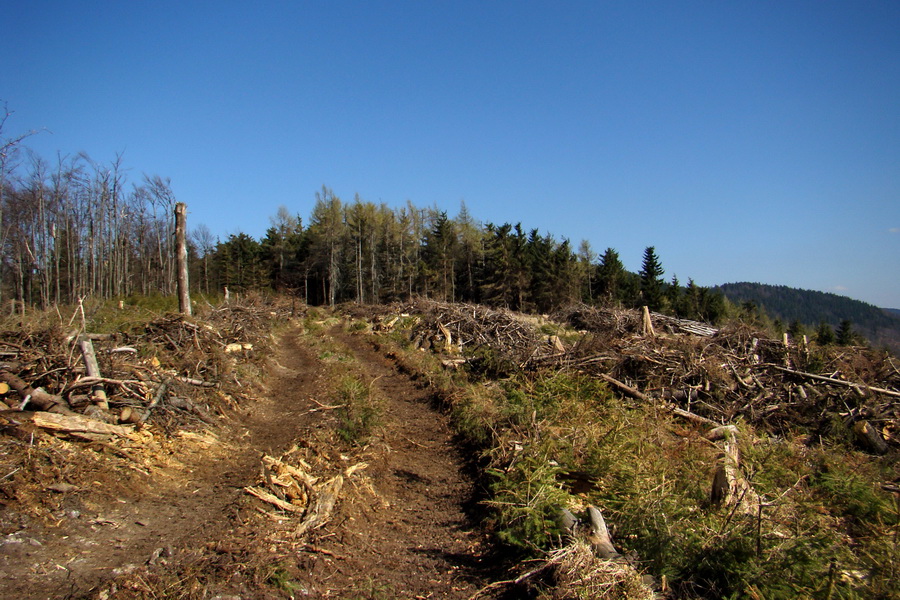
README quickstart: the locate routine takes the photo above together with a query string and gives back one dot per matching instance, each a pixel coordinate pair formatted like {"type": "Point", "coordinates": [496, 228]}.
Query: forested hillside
{"type": "Point", "coordinates": [811, 309]}
{"type": "Point", "coordinates": [79, 228]}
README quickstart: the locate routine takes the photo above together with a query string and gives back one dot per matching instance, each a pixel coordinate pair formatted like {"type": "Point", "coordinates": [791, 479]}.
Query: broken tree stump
{"type": "Point", "coordinates": [98, 394]}
{"type": "Point", "coordinates": [729, 486]}
{"type": "Point", "coordinates": [869, 437]}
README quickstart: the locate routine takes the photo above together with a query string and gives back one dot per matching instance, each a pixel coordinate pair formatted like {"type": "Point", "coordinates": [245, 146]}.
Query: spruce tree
{"type": "Point", "coordinates": [845, 335]}
{"type": "Point", "coordinates": [651, 279]}
{"type": "Point", "coordinates": [610, 277]}
{"type": "Point", "coordinates": [825, 334]}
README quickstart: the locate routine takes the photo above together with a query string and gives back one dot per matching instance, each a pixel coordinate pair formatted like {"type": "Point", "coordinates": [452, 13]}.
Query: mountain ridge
{"type": "Point", "coordinates": [880, 326]}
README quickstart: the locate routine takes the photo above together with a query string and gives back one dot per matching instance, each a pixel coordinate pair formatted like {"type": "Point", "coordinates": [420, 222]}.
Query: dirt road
{"type": "Point", "coordinates": [150, 517]}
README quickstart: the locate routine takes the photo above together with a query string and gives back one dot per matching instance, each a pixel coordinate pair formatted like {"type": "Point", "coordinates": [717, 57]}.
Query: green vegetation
{"type": "Point", "coordinates": [822, 528]}
{"type": "Point", "coordinates": [359, 410]}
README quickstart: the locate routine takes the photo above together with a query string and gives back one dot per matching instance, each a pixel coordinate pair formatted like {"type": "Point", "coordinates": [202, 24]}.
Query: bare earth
{"type": "Point", "coordinates": [151, 518]}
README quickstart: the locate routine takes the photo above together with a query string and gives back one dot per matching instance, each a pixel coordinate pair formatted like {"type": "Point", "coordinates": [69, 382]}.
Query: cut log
{"type": "Point", "coordinates": [66, 423]}
{"type": "Point", "coordinates": [599, 538]}
{"type": "Point", "coordinates": [35, 397]}
{"type": "Point", "coordinates": [130, 415]}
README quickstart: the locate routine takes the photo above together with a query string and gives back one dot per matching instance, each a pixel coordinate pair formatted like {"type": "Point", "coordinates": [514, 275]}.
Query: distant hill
{"type": "Point", "coordinates": [880, 326]}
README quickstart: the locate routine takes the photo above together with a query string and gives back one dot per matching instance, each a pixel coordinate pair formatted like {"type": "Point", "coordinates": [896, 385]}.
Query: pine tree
{"type": "Point", "coordinates": [651, 280]}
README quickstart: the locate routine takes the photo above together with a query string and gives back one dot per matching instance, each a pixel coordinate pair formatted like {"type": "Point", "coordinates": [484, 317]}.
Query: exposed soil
{"type": "Point", "coordinates": [413, 539]}
{"type": "Point", "coordinates": [154, 516]}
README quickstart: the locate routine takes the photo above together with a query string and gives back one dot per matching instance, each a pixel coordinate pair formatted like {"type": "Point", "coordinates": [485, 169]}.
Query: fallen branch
{"type": "Point", "coordinates": [857, 386]}
{"type": "Point", "coordinates": [160, 392]}
{"type": "Point", "coordinates": [623, 387]}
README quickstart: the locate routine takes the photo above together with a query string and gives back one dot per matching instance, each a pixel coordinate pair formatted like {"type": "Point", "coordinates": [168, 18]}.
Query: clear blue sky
{"type": "Point", "coordinates": [754, 141]}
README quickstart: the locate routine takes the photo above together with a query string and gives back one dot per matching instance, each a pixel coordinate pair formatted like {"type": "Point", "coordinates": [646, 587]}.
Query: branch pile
{"type": "Point", "coordinates": [457, 329]}
{"type": "Point", "coordinates": [708, 374]}
{"type": "Point", "coordinates": [736, 371]}
{"type": "Point", "coordinates": [172, 371]}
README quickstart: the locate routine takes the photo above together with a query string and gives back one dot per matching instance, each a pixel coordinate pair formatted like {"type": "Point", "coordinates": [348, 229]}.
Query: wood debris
{"type": "Point", "coordinates": [173, 371]}
{"type": "Point", "coordinates": [288, 485]}
{"type": "Point", "coordinates": [709, 375]}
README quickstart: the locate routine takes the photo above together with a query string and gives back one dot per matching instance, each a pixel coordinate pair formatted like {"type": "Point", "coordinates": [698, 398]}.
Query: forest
{"type": "Point", "coordinates": [77, 227]}
{"type": "Point", "coordinates": [818, 314]}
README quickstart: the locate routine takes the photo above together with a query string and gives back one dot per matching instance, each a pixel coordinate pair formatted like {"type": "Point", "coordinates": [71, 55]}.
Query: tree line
{"type": "Point", "coordinates": [76, 227]}
{"type": "Point", "coordinates": [362, 252]}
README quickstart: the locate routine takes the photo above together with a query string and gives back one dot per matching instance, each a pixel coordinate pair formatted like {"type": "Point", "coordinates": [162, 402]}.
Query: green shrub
{"type": "Point", "coordinates": [359, 411]}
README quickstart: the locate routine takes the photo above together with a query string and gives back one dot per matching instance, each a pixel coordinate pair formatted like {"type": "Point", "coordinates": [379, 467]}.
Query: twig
{"type": "Point", "coordinates": [316, 549]}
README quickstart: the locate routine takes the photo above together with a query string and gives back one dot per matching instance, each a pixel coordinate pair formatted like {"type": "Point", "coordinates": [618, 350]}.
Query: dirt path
{"type": "Point", "coordinates": [139, 504]}
{"type": "Point", "coordinates": [145, 517]}
{"type": "Point", "coordinates": [413, 539]}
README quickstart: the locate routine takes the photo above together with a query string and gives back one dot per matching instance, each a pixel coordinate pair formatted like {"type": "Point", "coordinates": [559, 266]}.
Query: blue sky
{"type": "Point", "coordinates": [746, 141]}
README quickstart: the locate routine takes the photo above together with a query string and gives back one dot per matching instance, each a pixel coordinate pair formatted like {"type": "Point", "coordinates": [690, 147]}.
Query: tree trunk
{"type": "Point", "coordinates": [184, 295]}
{"type": "Point", "coordinates": [35, 397]}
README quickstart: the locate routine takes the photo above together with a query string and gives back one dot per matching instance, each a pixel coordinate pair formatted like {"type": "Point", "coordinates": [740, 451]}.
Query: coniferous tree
{"type": "Point", "coordinates": [586, 258]}
{"type": "Point", "coordinates": [845, 335]}
{"type": "Point", "coordinates": [610, 277]}
{"type": "Point", "coordinates": [651, 280]}
{"type": "Point", "coordinates": [439, 258]}
{"type": "Point", "coordinates": [673, 296]}
{"type": "Point", "coordinates": [825, 334]}
{"type": "Point", "coordinates": [470, 254]}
